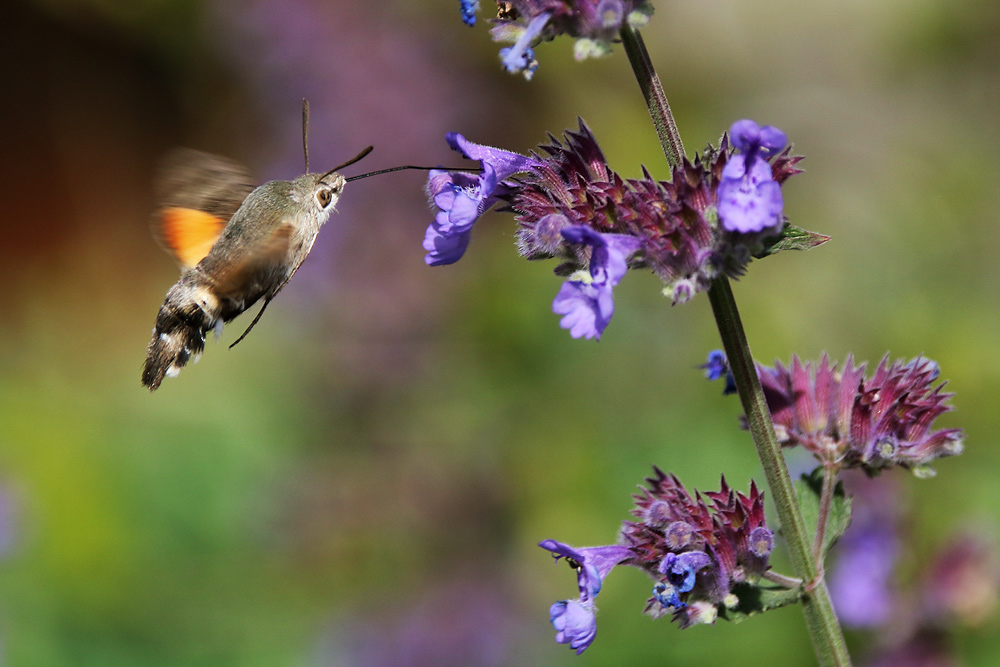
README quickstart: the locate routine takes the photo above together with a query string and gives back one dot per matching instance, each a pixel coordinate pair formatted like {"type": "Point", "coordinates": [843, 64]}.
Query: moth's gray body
{"type": "Point", "coordinates": [261, 247]}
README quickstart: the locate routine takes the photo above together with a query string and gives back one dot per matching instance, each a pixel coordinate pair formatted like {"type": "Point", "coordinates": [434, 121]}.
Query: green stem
{"type": "Point", "coordinates": [825, 502]}
{"type": "Point", "coordinates": [652, 92]}
{"type": "Point", "coordinates": [827, 637]}
{"type": "Point", "coordinates": [821, 621]}
{"type": "Point", "coordinates": [782, 579]}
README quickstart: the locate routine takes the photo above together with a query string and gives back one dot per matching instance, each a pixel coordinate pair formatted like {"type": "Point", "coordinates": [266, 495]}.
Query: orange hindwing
{"type": "Point", "coordinates": [198, 194]}
{"type": "Point", "coordinates": [188, 234]}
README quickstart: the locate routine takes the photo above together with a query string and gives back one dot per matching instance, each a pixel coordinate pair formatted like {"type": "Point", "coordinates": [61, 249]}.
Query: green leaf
{"type": "Point", "coordinates": [808, 488]}
{"type": "Point", "coordinates": [793, 238]}
{"type": "Point", "coordinates": [754, 600]}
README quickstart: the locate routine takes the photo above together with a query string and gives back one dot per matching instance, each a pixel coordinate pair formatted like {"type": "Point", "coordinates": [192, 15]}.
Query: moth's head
{"type": "Point", "coordinates": [319, 192]}
{"type": "Point", "coordinates": [327, 189]}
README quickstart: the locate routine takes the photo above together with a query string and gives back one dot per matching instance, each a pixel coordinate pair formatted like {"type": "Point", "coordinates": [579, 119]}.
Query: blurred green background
{"type": "Point", "coordinates": [364, 479]}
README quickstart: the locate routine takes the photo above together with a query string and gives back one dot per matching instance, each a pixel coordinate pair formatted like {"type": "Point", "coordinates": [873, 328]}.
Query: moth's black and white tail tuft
{"type": "Point", "coordinates": [186, 315]}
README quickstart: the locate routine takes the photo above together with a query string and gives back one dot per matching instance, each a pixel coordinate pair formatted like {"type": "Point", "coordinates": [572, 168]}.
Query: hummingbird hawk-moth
{"type": "Point", "coordinates": [235, 244]}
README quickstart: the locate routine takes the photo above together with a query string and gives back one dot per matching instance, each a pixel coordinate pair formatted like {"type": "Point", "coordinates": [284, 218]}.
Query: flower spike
{"type": "Point", "coordinates": [569, 204]}
{"type": "Point", "coordinates": [696, 548]}
{"type": "Point", "coordinates": [851, 421]}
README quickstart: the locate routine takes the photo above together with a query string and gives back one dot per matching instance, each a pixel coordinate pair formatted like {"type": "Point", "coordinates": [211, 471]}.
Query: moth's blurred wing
{"type": "Point", "coordinates": [198, 194]}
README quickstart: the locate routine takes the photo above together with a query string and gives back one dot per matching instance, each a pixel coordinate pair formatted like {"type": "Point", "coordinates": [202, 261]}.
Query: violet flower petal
{"type": "Point", "coordinates": [586, 308]}
{"type": "Point", "coordinates": [575, 624]}
{"type": "Point", "coordinates": [595, 563]}
{"type": "Point", "coordinates": [520, 57]}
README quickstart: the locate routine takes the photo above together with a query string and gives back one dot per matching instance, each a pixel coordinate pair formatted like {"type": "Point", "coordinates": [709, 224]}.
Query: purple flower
{"type": "Point", "coordinates": [593, 23]}
{"type": "Point", "coordinates": [469, 9]}
{"type": "Point", "coordinates": [749, 199]}
{"type": "Point", "coordinates": [444, 248]}
{"type": "Point", "coordinates": [459, 198]}
{"type": "Point", "coordinates": [575, 624]}
{"type": "Point", "coordinates": [667, 596]}
{"type": "Point", "coordinates": [753, 139]}
{"type": "Point", "coordinates": [586, 308]}
{"type": "Point", "coordinates": [861, 581]}
{"type": "Point", "coordinates": [574, 620]}
{"type": "Point", "coordinates": [922, 612]}
{"type": "Point", "coordinates": [462, 197]}
{"type": "Point", "coordinates": [592, 563]}
{"type": "Point", "coordinates": [609, 13]}
{"type": "Point", "coordinates": [520, 57]}
{"type": "Point", "coordinates": [586, 301]}
{"type": "Point", "coordinates": [681, 570]}
{"type": "Point", "coordinates": [760, 542]}
{"type": "Point", "coordinates": [505, 163]}
{"type": "Point", "coordinates": [717, 366]}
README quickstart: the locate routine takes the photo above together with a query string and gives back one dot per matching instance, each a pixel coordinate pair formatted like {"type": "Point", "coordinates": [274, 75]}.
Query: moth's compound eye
{"type": "Point", "coordinates": [324, 197]}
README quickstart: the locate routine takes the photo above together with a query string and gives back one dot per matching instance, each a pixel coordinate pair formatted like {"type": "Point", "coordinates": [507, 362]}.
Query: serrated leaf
{"type": "Point", "coordinates": [756, 599]}
{"type": "Point", "coordinates": [793, 238]}
{"type": "Point", "coordinates": [809, 488]}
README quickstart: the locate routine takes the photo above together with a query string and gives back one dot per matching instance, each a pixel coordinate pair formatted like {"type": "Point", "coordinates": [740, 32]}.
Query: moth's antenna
{"type": "Point", "coordinates": [305, 131]}
{"type": "Point", "coordinates": [349, 162]}
{"type": "Point", "coordinates": [406, 166]}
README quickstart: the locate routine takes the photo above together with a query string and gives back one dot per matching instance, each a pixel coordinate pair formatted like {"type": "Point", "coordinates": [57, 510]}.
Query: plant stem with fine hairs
{"type": "Point", "coordinates": [821, 620]}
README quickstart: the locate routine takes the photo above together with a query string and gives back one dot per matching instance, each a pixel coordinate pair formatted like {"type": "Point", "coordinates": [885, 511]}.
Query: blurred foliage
{"type": "Point", "coordinates": [363, 480]}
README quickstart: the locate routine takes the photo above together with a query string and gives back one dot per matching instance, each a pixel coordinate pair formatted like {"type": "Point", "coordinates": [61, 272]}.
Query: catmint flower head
{"type": "Point", "coordinates": [697, 548]}
{"type": "Point", "coordinates": [570, 205]}
{"type": "Point", "coordinates": [852, 421]}
{"type": "Point", "coordinates": [593, 23]}
{"type": "Point", "coordinates": [673, 224]}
